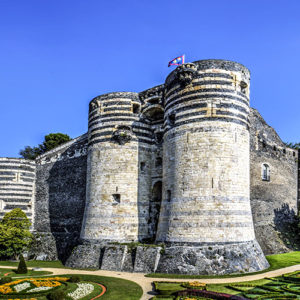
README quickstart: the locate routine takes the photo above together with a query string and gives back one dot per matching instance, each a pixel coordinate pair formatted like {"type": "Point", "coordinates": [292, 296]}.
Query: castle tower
{"type": "Point", "coordinates": [111, 212]}
{"type": "Point", "coordinates": [206, 201]}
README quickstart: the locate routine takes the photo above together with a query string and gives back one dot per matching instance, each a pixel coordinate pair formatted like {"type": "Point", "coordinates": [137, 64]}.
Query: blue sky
{"type": "Point", "coordinates": [55, 55]}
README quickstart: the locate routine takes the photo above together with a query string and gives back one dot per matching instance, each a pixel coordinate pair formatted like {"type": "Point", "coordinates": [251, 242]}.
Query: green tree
{"type": "Point", "coordinates": [22, 268]}
{"type": "Point", "coordinates": [15, 236]}
{"type": "Point", "coordinates": [51, 141]}
{"type": "Point", "coordinates": [293, 145]}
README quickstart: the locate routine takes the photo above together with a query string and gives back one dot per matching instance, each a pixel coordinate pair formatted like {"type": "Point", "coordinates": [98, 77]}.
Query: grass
{"type": "Point", "coordinates": [259, 286]}
{"type": "Point", "coordinates": [116, 288]}
{"type": "Point", "coordinates": [12, 273]}
{"type": "Point", "coordinates": [35, 263]}
{"type": "Point", "coordinates": [276, 261]}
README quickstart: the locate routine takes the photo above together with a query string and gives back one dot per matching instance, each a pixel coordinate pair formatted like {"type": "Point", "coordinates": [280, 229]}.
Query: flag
{"type": "Point", "coordinates": [177, 61]}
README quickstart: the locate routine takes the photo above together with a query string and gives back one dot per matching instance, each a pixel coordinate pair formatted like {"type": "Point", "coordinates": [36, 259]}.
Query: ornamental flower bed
{"type": "Point", "coordinates": [31, 285]}
{"type": "Point", "coordinates": [83, 290]}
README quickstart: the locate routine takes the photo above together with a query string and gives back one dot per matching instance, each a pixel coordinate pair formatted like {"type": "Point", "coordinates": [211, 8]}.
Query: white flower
{"type": "Point", "coordinates": [82, 290]}
{"type": "Point", "coordinates": [41, 288]}
{"type": "Point", "coordinates": [21, 286]}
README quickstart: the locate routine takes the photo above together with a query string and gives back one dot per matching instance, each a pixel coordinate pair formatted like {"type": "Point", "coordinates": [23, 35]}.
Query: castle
{"type": "Point", "coordinates": [187, 168]}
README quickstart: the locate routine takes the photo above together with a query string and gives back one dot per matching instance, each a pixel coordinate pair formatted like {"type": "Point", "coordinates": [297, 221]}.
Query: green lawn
{"type": "Point", "coordinates": [35, 263]}
{"type": "Point", "coordinates": [276, 261]}
{"type": "Point", "coordinates": [29, 273]}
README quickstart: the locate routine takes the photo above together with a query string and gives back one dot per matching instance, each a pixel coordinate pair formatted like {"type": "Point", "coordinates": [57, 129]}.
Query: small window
{"type": "Point", "coordinates": [171, 119]}
{"type": "Point", "coordinates": [274, 148]}
{"type": "Point", "coordinates": [143, 166]}
{"type": "Point", "coordinates": [243, 86]}
{"type": "Point", "coordinates": [294, 154]}
{"type": "Point", "coordinates": [135, 108]}
{"type": "Point", "coordinates": [116, 198]}
{"type": "Point", "coordinates": [284, 151]}
{"type": "Point", "coordinates": [168, 195]}
{"type": "Point", "coordinates": [265, 172]}
{"type": "Point", "coordinates": [158, 162]}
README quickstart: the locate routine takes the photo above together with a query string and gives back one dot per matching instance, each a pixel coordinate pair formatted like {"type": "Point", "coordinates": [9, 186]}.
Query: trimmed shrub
{"type": "Point", "coordinates": [22, 268]}
{"type": "Point", "coordinates": [4, 280]}
{"type": "Point", "coordinates": [74, 278]}
{"type": "Point", "coordinates": [56, 295]}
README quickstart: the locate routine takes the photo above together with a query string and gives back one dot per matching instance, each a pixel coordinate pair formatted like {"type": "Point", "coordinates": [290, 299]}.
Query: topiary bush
{"type": "Point", "coordinates": [56, 295]}
{"type": "Point", "coordinates": [22, 268]}
{"type": "Point", "coordinates": [74, 278]}
{"type": "Point", "coordinates": [4, 280]}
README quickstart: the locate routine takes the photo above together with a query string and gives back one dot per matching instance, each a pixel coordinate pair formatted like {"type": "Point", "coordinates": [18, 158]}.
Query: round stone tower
{"type": "Point", "coordinates": [111, 212]}
{"type": "Point", "coordinates": [206, 219]}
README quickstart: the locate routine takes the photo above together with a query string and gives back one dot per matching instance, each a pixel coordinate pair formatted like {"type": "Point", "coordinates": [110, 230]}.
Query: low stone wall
{"type": "Point", "coordinates": [115, 257]}
{"type": "Point", "coordinates": [195, 260]}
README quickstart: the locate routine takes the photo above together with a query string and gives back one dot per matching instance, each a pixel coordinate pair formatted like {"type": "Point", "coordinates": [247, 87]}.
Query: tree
{"type": "Point", "coordinates": [51, 141]}
{"type": "Point", "coordinates": [22, 268]}
{"type": "Point", "coordinates": [293, 145]}
{"type": "Point", "coordinates": [15, 236]}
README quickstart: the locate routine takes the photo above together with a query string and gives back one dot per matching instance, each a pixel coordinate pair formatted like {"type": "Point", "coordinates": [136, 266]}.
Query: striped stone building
{"type": "Point", "coordinates": [186, 166]}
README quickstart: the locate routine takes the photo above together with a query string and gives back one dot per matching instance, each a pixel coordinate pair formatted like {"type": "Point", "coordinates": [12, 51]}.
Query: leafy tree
{"type": "Point", "coordinates": [293, 145]}
{"type": "Point", "coordinates": [51, 141]}
{"type": "Point", "coordinates": [15, 236]}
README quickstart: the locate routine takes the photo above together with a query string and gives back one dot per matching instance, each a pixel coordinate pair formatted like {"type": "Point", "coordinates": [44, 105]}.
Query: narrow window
{"type": "Point", "coordinates": [143, 165]}
{"type": "Point", "coordinates": [265, 172]}
{"type": "Point", "coordinates": [168, 195]}
{"type": "Point", "coordinates": [274, 148]}
{"type": "Point", "coordinates": [284, 151]}
{"type": "Point", "coordinates": [171, 120]}
{"type": "Point", "coordinates": [243, 86]}
{"type": "Point", "coordinates": [135, 108]}
{"type": "Point", "coordinates": [294, 154]}
{"type": "Point", "coordinates": [116, 198]}
{"type": "Point", "coordinates": [158, 162]}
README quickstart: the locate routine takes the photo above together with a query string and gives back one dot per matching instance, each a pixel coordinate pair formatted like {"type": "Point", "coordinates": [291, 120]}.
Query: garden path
{"type": "Point", "coordinates": [146, 282]}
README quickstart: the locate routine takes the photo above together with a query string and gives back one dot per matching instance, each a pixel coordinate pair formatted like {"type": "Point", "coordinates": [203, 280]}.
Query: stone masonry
{"type": "Point", "coordinates": [180, 178]}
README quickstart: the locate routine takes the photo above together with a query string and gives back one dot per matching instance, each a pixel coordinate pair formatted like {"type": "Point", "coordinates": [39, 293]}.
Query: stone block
{"type": "Point", "coordinates": [85, 256]}
{"type": "Point", "coordinates": [114, 258]}
{"type": "Point", "coordinates": [146, 259]}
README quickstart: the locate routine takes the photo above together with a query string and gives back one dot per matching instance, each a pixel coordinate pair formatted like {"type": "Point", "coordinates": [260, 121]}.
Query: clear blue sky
{"type": "Point", "coordinates": [55, 55]}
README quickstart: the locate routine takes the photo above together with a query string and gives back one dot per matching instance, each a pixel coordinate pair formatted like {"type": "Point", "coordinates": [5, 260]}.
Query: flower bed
{"type": "Point", "coordinates": [31, 285]}
{"type": "Point", "coordinates": [82, 290]}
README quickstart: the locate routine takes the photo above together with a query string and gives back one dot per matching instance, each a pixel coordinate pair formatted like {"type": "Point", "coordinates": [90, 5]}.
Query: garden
{"type": "Point", "coordinates": [286, 286]}
{"type": "Point", "coordinates": [68, 287]}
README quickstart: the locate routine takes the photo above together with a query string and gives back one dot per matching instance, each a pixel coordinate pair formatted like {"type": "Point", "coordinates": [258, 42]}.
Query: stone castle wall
{"type": "Point", "coordinates": [169, 164]}
{"type": "Point", "coordinates": [17, 186]}
{"type": "Point", "coordinates": [206, 150]}
{"type": "Point", "coordinates": [60, 195]}
{"type": "Point", "coordinates": [273, 201]}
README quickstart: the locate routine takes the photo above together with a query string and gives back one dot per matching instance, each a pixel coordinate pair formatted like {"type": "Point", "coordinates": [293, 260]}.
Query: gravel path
{"type": "Point", "coordinates": [145, 282]}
